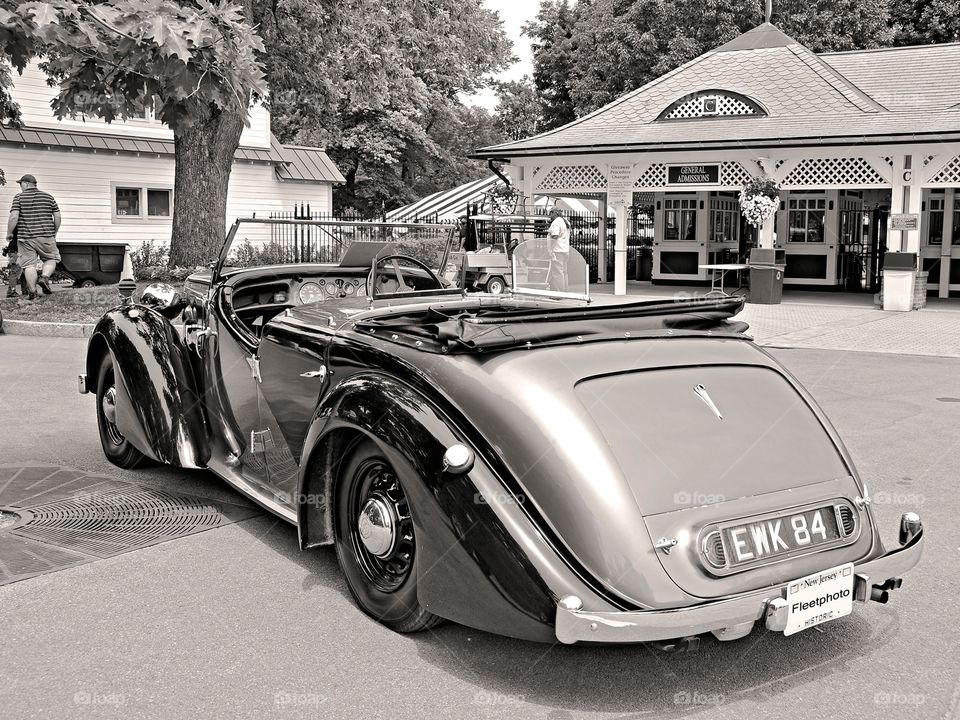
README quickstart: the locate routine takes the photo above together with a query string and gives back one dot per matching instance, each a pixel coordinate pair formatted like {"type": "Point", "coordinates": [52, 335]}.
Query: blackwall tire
{"type": "Point", "coordinates": [117, 449]}
{"type": "Point", "coordinates": [385, 585]}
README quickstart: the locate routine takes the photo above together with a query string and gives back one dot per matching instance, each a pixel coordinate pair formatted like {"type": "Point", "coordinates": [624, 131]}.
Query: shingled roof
{"type": "Point", "coordinates": [293, 162]}
{"type": "Point", "coordinates": [803, 98]}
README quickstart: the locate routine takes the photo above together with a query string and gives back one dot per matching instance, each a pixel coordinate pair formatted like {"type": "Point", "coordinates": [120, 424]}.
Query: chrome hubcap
{"type": "Point", "coordinates": [110, 405]}
{"type": "Point", "coordinates": [377, 527]}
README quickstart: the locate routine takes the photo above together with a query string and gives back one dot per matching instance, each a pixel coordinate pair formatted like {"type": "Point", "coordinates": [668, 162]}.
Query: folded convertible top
{"type": "Point", "coordinates": [455, 328]}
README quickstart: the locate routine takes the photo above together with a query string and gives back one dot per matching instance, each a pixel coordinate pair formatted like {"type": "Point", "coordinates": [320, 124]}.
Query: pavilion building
{"type": "Point", "coordinates": [865, 146]}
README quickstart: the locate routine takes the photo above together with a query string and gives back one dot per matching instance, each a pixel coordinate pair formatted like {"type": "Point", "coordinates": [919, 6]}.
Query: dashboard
{"type": "Point", "coordinates": [297, 291]}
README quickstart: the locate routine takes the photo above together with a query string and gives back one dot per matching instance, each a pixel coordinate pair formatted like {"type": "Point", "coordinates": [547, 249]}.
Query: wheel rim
{"type": "Point", "coordinates": [381, 529]}
{"type": "Point", "coordinates": [108, 406]}
{"type": "Point", "coordinates": [496, 287]}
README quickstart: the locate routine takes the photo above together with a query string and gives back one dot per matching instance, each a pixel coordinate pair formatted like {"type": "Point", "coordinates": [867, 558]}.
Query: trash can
{"type": "Point", "coordinates": [766, 276]}
{"type": "Point", "coordinates": [899, 275]}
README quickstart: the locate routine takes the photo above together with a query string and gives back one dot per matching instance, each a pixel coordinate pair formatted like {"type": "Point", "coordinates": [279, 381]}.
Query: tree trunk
{"type": "Point", "coordinates": [204, 157]}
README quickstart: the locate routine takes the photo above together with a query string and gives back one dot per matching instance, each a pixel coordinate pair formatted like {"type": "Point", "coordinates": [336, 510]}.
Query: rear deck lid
{"type": "Point", "coordinates": [708, 434]}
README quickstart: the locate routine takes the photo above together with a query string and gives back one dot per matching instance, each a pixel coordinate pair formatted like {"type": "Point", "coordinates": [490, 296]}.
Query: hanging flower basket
{"type": "Point", "coordinates": [759, 199]}
{"type": "Point", "coordinates": [502, 198]}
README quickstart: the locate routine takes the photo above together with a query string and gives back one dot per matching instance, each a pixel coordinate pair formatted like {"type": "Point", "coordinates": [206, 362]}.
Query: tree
{"type": "Point", "coordinates": [617, 46]}
{"type": "Point", "coordinates": [195, 65]}
{"type": "Point", "coordinates": [920, 22]}
{"type": "Point", "coordinates": [391, 73]}
{"type": "Point", "coordinates": [519, 109]}
{"type": "Point", "coordinates": [553, 47]}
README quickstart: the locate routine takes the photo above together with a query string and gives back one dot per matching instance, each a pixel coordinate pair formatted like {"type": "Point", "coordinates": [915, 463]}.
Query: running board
{"type": "Point", "coordinates": [251, 491]}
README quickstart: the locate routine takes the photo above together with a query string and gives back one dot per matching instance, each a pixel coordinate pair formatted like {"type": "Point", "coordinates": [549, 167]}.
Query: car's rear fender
{"type": "Point", "coordinates": [152, 365]}
{"type": "Point", "coordinates": [481, 563]}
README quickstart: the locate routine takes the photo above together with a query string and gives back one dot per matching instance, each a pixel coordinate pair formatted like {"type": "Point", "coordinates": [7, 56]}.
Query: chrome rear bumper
{"type": "Point", "coordinates": [743, 610]}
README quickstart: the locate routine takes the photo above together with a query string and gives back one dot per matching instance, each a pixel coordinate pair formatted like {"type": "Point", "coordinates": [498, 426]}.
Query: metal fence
{"type": "Point", "coordinates": [327, 238]}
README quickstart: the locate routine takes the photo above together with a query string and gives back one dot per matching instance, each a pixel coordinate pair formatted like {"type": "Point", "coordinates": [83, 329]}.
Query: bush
{"type": "Point", "coordinates": [246, 254]}
{"type": "Point", "coordinates": [151, 253]}
{"type": "Point", "coordinates": [163, 273]}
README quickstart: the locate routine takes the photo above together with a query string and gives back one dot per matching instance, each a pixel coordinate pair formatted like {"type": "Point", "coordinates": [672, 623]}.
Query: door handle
{"type": "Point", "coordinates": [319, 373]}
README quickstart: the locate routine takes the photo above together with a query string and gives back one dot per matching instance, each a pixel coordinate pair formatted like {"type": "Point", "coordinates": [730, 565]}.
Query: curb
{"type": "Point", "coordinates": [47, 329]}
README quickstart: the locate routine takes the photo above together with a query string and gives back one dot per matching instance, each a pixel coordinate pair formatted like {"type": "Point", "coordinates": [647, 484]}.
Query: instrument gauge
{"type": "Point", "coordinates": [331, 288]}
{"type": "Point", "coordinates": [310, 292]}
{"type": "Point", "coordinates": [349, 288]}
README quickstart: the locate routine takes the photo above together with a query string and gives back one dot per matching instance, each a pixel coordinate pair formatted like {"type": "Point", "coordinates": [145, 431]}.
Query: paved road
{"type": "Point", "coordinates": [237, 623]}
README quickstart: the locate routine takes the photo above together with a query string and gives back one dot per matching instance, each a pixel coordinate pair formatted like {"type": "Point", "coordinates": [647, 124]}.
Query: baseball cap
{"type": "Point", "coordinates": [28, 178]}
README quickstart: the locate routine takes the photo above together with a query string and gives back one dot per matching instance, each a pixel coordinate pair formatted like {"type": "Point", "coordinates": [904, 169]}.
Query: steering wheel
{"type": "Point", "coordinates": [386, 281]}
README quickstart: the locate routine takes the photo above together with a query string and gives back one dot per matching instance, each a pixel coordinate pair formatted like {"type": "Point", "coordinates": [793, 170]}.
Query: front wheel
{"type": "Point", "coordinates": [375, 541]}
{"type": "Point", "coordinates": [116, 447]}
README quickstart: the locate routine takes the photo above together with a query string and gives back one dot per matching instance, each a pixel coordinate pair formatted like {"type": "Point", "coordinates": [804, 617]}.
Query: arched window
{"type": "Point", "coordinates": [711, 103]}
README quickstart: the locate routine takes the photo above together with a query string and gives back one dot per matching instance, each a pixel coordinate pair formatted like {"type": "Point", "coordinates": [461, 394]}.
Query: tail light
{"type": "Point", "coordinates": [713, 550]}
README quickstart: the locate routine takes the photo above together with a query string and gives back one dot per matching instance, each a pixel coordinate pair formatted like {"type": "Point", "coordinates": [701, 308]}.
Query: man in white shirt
{"type": "Point", "coordinates": [559, 234]}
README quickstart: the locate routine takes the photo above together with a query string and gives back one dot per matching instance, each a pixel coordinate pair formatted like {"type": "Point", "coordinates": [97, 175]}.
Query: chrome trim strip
{"type": "Point", "coordinates": [251, 491]}
{"type": "Point", "coordinates": [650, 625]}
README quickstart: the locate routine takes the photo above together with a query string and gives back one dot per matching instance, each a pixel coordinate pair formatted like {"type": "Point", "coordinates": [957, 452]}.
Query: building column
{"type": "Point", "coordinates": [620, 251]}
{"type": "Point", "coordinates": [602, 239]}
{"type": "Point", "coordinates": [897, 196]}
{"type": "Point", "coordinates": [946, 249]}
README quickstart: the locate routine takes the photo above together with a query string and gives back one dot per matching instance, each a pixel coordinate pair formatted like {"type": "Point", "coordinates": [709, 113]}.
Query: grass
{"type": "Point", "coordinates": [66, 305]}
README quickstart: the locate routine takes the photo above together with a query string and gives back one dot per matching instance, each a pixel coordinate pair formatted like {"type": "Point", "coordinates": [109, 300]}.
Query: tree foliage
{"type": "Point", "coordinates": [919, 22]}
{"type": "Point", "coordinates": [519, 109]}
{"type": "Point", "coordinates": [386, 96]}
{"type": "Point", "coordinates": [553, 47]}
{"type": "Point", "coordinates": [195, 65]}
{"type": "Point", "coordinates": [590, 53]}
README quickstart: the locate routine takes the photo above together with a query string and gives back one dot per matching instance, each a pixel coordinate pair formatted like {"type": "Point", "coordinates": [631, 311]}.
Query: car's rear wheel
{"type": "Point", "coordinates": [375, 541]}
{"type": "Point", "coordinates": [116, 447]}
{"type": "Point", "coordinates": [87, 283]}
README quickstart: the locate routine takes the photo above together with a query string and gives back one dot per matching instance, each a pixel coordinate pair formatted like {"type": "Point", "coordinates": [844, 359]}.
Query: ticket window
{"type": "Point", "coordinates": [724, 227]}
{"type": "Point", "coordinates": [680, 219]}
{"type": "Point", "coordinates": [811, 248]}
{"type": "Point", "coordinates": [807, 219]}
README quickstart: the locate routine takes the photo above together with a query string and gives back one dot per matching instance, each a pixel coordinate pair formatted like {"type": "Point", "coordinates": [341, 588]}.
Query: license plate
{"type": "Point", "coordinates": [819, 598]}
{"type": "Point", "coordinates": [761, 539]}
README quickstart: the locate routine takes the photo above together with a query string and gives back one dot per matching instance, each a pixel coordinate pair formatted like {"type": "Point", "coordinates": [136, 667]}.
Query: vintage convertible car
{"type": "Point", "coordinates": [532, 464]}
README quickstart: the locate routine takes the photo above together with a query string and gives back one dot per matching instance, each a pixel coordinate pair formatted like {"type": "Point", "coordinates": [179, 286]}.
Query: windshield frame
{"type": "Point", "coordinates": [221, 262]}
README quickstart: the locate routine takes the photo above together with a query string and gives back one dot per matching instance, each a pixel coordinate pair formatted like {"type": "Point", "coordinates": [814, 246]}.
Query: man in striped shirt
{"type": "Point", "coordinates": [36, 216]}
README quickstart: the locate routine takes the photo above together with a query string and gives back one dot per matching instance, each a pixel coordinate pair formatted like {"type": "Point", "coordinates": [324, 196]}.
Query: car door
{"type": "Point", "coordinates": [233, 397]}
{"type": "Point", "coordinates": [293, 375]}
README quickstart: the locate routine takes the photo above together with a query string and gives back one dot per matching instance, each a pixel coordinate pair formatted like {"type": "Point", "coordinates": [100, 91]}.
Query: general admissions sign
{"type": "Point", "coordinates": [693, 175]}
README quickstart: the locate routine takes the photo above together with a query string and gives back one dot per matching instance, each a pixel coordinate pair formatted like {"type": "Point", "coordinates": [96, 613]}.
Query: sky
{"type": "Point", "coordinates": [514, 14]}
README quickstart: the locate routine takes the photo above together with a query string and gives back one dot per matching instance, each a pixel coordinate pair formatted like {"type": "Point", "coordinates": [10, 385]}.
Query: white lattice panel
{"type": "Point", "coordinates": [949, 174]}
{"type": "Point", "coordinates": [928, 159]}
{"type": "Point", "coordinates": [574, 177]}
{"type": "Point", "coordinates": [694, 108]}
{"type": "Point", "coordinates": [654, 176]}
{"type": "Point", "coordinates": [824, 172]}
{"type": "Point", "coordinates": [889, 160]}
{"type": "Point", "coordinates": [733, 174]}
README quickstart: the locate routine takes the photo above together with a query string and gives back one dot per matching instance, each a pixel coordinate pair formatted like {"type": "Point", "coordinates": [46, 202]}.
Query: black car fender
{"type": "Point", "coordinates": [158, 407]}
{"type": "Point", "coordinates": [470, 568]}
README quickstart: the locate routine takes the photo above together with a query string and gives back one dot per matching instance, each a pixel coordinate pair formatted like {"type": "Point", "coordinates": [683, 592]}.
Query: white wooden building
{"type": "Point", "coordinates": [114, 181]}
{"type": "Point", "coordinates": [865, 146]}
